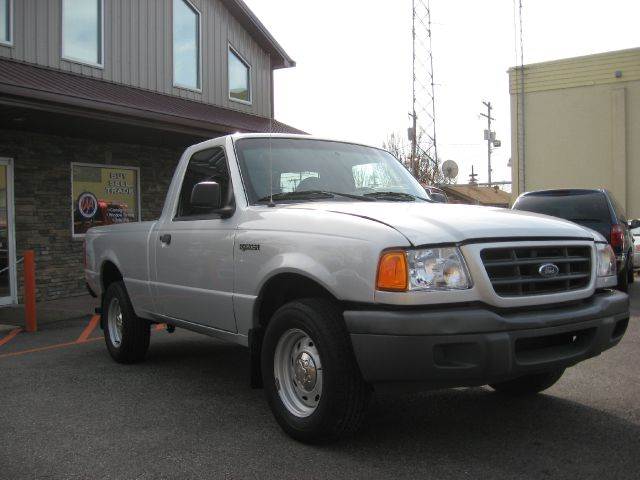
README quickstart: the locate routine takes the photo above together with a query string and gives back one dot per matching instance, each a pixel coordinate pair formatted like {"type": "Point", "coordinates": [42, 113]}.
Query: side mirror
{"type": "Point", "coordinates": [206, 195]}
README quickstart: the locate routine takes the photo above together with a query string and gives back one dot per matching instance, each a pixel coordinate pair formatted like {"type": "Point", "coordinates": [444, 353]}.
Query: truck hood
{"type": "Point", "coordinates": [434, 223]}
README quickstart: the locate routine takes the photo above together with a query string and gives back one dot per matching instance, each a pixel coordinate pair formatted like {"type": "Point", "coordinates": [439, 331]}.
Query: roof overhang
{"type": "Point", "coordinates": [251, 23]}
{"type": "Point", "coordinates": [28, 86]}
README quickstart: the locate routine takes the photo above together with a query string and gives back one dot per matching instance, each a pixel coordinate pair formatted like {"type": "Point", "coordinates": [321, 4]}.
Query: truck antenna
{"type": "Point", "coordinates": [271, 204]}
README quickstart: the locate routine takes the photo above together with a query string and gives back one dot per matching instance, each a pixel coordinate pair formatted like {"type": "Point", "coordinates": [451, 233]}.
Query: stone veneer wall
{"type": "Point", "coordinates": [42, 186]}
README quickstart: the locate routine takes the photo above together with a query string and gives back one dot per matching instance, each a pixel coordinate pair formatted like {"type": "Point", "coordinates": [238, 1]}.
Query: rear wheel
{"type": "Point", "coordinates": [529, 384]}
{"type": "Point", "coordinates": [630, 268]}
{"type": "Point", "coordinates": [311, 378]}
{"type": "Point", "coordinates": [126, 335]}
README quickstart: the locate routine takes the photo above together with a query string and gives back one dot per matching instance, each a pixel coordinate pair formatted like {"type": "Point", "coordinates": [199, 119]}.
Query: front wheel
{"type": "Point", "coordinates": [126, 335]}
{"type": "Point", "coordinates": [311, 379]}
{"type": "Point", "coordinates": [529, 384]}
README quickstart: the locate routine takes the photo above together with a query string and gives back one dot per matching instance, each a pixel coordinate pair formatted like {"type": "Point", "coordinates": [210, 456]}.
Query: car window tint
{"type": "Point", "coordinates": [205, 165]}
{"type": "Point", "coordinates": [586, 207]}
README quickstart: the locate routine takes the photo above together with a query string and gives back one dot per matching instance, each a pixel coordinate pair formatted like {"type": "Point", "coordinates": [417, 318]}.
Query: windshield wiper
{"type": "Point", "coordinates": [396, 196]}
{"type": "Point", "coordinates": [313, 195]}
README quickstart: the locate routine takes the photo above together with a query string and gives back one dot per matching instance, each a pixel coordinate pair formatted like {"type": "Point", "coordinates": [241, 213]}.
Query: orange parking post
{"type": "Point", "coordinates": [30, 291]}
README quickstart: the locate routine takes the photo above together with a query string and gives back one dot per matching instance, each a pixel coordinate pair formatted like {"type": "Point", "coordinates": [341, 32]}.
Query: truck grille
{"type": "Point", "coordinates": [519, 271]}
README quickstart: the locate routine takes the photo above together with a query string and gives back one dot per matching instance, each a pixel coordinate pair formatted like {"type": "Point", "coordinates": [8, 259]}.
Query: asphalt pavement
{"type": "Point", "coordinates": [68, 411]}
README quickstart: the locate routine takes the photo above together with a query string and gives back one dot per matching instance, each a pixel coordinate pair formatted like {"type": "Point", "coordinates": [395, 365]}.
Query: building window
{"type": "Point", "coordinates": [82, 31]}
{"type": "Point", "coordinates": [103, 195]}
{"type": "Point", "coordinates": [186, 45]}
{"type": "Point", "coordinates": [239, 78]}
{"type": "Point", "coordinates": [6, 22]}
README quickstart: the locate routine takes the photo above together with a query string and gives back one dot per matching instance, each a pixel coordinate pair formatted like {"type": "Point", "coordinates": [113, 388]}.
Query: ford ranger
{"type": "Point", "coordinates": [330, 262]}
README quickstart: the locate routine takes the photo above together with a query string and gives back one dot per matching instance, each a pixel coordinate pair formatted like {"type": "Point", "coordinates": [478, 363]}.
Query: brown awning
{"type": "Point", "coordinates": [47, 89]}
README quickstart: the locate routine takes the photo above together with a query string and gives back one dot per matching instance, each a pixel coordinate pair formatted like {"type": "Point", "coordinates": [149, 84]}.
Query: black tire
{"type": "Point", "coordinates": [529, 384]}
{"type": "Point", "coordinates": [345, 395]}
{"type": "Point", "coordinates": [134, 342]}
{"type": "Point", "coordinates": [630, 278]}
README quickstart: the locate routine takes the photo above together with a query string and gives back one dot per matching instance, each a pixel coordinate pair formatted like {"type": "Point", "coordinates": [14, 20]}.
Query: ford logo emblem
{"type": "Point", "coordinates": [548, 270]}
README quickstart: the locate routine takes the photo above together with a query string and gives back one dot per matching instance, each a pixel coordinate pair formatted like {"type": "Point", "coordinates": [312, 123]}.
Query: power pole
{"type": "Point", "coordinates": [489, 136]}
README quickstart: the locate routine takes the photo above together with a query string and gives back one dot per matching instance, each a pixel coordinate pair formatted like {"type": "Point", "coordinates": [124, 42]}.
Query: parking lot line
{"type": "Point", "coordinates": [48, 347]}
{"type": "Point", "coordinates": [93, 323]}
{"type": "Point", "coordinates": [9, 336]}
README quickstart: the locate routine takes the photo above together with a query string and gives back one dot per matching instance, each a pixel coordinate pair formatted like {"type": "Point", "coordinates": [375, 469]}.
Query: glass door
{"type": "Point", "coordinates": [7, 243]}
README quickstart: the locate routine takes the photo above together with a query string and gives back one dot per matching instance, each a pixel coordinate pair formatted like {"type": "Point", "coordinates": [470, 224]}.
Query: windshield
{"type": "Point", "coordinates": [586, 208]}
{"type": "Point", "coordinates": [306, 170]}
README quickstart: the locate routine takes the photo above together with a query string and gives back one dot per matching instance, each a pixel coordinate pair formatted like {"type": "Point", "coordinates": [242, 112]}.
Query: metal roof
{"type": "Point", "coordinates": [481, 195]}
{"type": "Point", "coordinates": [22, 83]}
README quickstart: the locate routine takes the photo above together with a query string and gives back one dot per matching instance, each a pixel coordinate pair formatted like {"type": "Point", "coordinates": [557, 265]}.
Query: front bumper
{"type": "Point", "coordinates": [475, 345]}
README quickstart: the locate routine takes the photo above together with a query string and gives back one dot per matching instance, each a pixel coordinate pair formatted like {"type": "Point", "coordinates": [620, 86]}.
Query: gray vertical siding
{"type": "Point", "coordinates": [138, 48]}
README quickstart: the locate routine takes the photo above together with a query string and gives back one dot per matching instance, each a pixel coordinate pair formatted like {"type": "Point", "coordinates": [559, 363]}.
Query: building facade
{"type": "Point", "coordinates": [98, 98]}
{"type": "Point", "coordinates": [575, 123]}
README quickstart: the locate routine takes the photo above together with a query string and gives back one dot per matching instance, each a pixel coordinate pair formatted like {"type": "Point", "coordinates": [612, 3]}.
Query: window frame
{"type": "Point", "coordinates": [175, 84]}
{"type": "Point", "coordinates": [232, 49]}
{"type": "Point", "coordinates": [9, 43]}
{"type": "Point", "coordinates": [175, 217]}
{"type": "Point", "coordinates": [71, 59]}
{"type": "Point", "coordinates": [80, 236]}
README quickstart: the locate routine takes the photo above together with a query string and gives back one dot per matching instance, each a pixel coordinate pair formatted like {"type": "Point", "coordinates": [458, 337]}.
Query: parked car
{"type": "Point", "coordinates": [593, 208]}
{"type": "Point", "coordinates": [636, 244]}
{"type": "Point", "coordinates": [327, 261]}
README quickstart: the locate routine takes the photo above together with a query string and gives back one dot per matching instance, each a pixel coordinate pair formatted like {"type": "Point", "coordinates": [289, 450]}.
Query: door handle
{"type": "Point", "coordinates": [166, 238]}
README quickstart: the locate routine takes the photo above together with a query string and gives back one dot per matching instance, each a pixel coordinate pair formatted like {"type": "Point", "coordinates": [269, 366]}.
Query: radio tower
{"type": "Point", "coordinates": [424, 162]}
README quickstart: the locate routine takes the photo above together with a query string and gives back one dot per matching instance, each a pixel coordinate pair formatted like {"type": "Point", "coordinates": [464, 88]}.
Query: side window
{"type": "Point", "coordinates": [205, 165]}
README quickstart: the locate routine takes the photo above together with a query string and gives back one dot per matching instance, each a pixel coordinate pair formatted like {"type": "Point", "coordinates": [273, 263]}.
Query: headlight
{"type": "Point", "coordinates": [437, 269]}
{"type": "Point", "coordinates": [606, 260]}
{"type": "Point", "coordinates": [425, 269]}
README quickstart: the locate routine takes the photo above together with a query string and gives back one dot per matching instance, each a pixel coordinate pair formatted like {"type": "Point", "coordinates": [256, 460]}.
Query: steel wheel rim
{"type": "Point", "coordinates": [114, 322]}
{"type": "Point", "coordinates": [297, 370]}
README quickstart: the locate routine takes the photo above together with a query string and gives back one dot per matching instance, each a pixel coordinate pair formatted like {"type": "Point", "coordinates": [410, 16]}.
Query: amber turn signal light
{"type": "Point", "coordinates": [392, 271]}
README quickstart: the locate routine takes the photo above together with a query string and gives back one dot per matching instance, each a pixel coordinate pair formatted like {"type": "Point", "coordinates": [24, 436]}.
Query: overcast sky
{"type": "Point", "coordinates": [353, 75]}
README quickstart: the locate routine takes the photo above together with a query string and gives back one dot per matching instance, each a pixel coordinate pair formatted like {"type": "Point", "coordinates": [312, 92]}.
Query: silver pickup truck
{"type": "Point", "coordinates": [337, 271]}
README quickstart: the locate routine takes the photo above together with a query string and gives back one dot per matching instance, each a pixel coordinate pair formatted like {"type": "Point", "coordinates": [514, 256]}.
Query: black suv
{"type": "Point", "coordinates": [596, 209]}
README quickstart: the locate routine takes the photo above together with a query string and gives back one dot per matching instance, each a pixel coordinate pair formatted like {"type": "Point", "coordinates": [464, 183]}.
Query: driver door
{"type": "Point", "coordinates": [194, 251]}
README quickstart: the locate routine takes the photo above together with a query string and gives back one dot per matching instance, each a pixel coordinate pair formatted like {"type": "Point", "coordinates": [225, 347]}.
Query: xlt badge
{"type": "Point", "coordinates": [249, 246]}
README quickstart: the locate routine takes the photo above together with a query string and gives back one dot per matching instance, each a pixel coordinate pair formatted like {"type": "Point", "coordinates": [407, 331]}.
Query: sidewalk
{"type": "Point", "coordinates": [51, 311]}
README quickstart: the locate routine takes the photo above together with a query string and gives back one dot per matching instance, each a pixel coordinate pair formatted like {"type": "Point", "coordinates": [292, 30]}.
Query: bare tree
{"type": "Point", "coordinates": [429, 172]}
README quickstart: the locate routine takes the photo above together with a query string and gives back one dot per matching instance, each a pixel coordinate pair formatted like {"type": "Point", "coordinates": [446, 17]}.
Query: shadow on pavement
{"type": "Point", "coordinates": [461, 430]}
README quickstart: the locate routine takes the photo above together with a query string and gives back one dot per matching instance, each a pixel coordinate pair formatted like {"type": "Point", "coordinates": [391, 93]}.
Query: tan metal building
{"type": "Point", "coordinates": [577, 124]}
